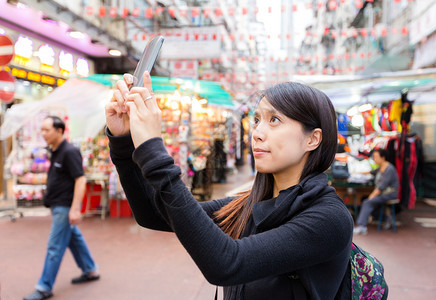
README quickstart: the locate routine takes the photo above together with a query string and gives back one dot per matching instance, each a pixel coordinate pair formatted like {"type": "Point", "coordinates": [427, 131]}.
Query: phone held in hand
{"type": "Point", "coordinates": [148, 59]}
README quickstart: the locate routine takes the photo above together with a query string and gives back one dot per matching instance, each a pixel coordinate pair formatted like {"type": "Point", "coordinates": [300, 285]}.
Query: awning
{"type": "Point", "coordinates": [83, 101]}
{"type": "Point", "coordinates": [212, 91]}
{"type": "Point", "coordinates": [379, 88]}
{"type": "Point", "coordinates": [391, 62]}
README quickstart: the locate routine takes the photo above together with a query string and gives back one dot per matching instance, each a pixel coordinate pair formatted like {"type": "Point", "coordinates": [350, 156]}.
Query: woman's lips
{"type": "Point", "coordinates": [259, 152]}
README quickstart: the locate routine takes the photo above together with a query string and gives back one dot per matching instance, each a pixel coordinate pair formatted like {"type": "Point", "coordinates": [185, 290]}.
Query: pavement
{"type": "Point", "coordinates": [137, 263]}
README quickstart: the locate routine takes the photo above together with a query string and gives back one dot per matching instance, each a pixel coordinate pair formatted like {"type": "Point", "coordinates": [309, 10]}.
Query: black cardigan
{"type": "Point", "coordinates": [306, 229]}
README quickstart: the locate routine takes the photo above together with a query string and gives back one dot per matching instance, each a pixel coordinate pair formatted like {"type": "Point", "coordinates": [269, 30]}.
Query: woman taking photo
{"type": "Point", "coordinates": [289, 237]}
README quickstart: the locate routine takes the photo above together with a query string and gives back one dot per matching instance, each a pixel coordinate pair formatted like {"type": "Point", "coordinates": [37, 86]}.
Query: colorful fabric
{"type": "Point", "coordinates": [343, 121]}
{"type": "Point", "coordinates": [395, 110]}
{"type": "Point", "coordinates": [384, 119]}
{"type": "Point", "coordinates": [367, 279]}
{"type": "Point", "coordinates": [367, 122]}
{"type": "Point", "coordinates": [376, 119]}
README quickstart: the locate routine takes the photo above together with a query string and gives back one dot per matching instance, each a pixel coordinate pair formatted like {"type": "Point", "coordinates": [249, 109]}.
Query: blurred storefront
{"type": "Point", "coordinates": [393, 111]}
{"type": "Point", "coordinates": [198, 128]}
{"type": "Point", "coordinates": [40, 65]}
{"type": "Point", "coordinates": [27, 164]}
{"type": "Point", "coordinates": [198, 131]}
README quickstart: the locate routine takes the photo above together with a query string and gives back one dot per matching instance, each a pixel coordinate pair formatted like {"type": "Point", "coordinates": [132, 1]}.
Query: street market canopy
{"type": "Point", "coordinates": [348, 91]}
{"type": "Point", "coordinates": [210, 90]}
{"type": "Point", "coordinates": [83, 101]}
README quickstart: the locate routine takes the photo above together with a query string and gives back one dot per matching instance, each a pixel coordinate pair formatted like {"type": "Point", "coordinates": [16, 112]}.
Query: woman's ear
{"type": "Point", "coordinates": [314, 139]}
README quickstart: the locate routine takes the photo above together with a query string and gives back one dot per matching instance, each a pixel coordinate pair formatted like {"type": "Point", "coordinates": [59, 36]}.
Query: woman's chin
{"type": "Point", "coordinates": [263, 170]}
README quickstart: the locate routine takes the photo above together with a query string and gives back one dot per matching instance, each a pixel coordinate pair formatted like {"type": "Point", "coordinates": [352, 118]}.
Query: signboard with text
{"type": "Point", "coordinates": [191, 43]}
{"type": "Point", "coordinates": [184, 69]}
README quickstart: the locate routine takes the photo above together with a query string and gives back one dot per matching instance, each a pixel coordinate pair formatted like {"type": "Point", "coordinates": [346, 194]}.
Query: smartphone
{"type": "Point", "coordinates": [148, 59]}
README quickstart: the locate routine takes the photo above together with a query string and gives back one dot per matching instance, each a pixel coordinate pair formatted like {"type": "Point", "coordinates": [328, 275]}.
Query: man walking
{"type": "Point", "coordinates": [66, 185]}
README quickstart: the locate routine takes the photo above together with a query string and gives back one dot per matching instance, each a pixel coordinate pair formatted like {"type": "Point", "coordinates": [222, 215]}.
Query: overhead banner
{"type": "Point", "coordinates": [424, 24]}
{"type": "Point", "coordinates": [424, 53]}
{"type": "Point", "coordinates": [184, 69]}
{"type": "Point", "coordinates": [191, 43]}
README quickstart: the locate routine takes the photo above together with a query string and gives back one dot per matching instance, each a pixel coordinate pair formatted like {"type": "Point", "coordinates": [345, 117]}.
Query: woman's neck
{"type": "Point", "coordinates": [288, 177]}
{"type": "Point", "coordinates": [384, 165]}
{"type": "Point", "coordinates": [284, 181]}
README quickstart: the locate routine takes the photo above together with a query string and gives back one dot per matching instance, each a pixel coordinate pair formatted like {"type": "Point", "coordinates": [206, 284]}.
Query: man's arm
{"type": "Point", "coordinates": [79, 192]}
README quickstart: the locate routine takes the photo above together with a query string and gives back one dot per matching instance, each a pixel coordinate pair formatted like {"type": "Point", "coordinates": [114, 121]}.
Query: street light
{"type": "Point", "coordinates": [76, 34]}
{"type": "Point", "coordinates": [115, 52]}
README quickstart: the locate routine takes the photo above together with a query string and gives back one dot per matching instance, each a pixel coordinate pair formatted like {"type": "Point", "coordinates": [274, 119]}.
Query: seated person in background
{"type": "Point", "coordinates": [386, 188]}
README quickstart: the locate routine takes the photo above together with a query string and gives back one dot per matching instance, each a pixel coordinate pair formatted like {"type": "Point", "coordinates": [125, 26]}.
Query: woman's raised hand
{"type": "Point", "coordinates": [117, 119]}
{"type": "Point", "coordinates": [144, 113]}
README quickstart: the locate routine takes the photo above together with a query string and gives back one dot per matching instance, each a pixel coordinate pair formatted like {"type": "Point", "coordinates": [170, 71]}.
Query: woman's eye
{"type": "Point", "coordinates": [256, 121]}
{"type": "Point", "coordinates": [275, 120]}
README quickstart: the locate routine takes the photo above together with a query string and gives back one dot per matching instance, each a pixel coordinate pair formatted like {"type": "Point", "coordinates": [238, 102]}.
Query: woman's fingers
{"type": "Point", "coordinates": [147, 82]}
{"type": "Point", "coordinates": [121, 94]}
{"type": "Point", "coordinates": [114, 108]}
{"type": "Point", "coordinates": [128, 78]}
{"type": "Point", "coordinates": [119, 99]}
{"type": "Point", "coordinates": [132, 111]}
{"type": "Point", "coordinates": [139, 96]}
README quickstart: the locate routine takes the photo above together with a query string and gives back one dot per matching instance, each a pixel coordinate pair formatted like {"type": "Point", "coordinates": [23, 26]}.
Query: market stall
{"type": "Point", "coordinates": [80, 103]}
{"type": "Point", "coordinates": [196, 131]}
{"type": "Point", "coordinates": [197, 128]}
{"type": "Point", "coordinates": [392, 114]}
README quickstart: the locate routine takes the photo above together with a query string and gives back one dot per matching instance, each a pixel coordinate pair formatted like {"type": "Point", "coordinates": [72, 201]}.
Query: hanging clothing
{"type": "Point", "coordinates": [367, 122]}
{"type": "Point", "coordinates": [343, 121]}
{"type": "Point", "coordinates": [395, 109]}
{"type": "Point", "coordinates": [407, 156]}
{"type": "Point", "coordinates": [384, 118]}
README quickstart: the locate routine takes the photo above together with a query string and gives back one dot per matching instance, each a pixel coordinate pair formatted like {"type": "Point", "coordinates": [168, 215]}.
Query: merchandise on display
{"type": "Point", "coordinates": [198, 135]}
{"type": "Point", "coordinates": [29, 161]}
{"type": "Point", "coordinates": [190, 129]}
{"type": "Point", "coordinates": [385, 126]}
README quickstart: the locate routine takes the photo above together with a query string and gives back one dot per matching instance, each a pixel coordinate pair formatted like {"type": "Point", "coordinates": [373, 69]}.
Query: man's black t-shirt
{"type": "Point", "coordinates": [65, 167]}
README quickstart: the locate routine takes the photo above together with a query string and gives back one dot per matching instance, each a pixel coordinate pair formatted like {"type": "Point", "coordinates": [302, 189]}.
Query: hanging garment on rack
{"type": "Point", "coordinates": [384, 118]}
{"type": "Point", "coordinates": [367, 122]}
{"type": "Point", "coordinates": [406, 154]}
{"type": "Point", "coordinates": [407, 110]}
{"type": "Point", "coordinates": [395, 109]}
{"type": "Point", "coordinates": [343, 121]}
{"type": "Point", "coordinates": [376, 119]}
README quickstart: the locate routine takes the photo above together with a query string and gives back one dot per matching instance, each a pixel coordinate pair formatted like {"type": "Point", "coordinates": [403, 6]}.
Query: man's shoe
{"type": "Point", "coordinates": [360, 230]}
{"type": "Point", "coordinates": [388, 223]}
{"type": "Point", "coordinates": [39, 295]}
{"type": "Point", "coordinates": [86, 277]}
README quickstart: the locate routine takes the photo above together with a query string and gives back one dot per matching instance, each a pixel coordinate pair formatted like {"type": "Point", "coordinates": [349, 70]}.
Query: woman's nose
{"type": "Point", "coordinates": [258, 133]}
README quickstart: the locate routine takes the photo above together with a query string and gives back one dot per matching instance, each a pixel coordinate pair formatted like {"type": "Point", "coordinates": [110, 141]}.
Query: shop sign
{"type": "Point", "coordinates": [82, 67]}
{"type": "Point", "coordinates": [34, 54]}
{"type": "Point", "coordinates": [6, 50]}
{"type": "Point", "coordinates": [424, 24]}
{"type": "Point", "coordinates": [7, 87]}
{"type": "Point", "coordinates": [424, 53]}
{"type": "Point", "coordinates": [184, 69]}
{"type": "Point", "coordinates": [192, 43]}
{"type": "Point", "coordinates": [46, 56]}
{"type": "Point", "coordinates": [37, 77]}
{"type": "Point", "coordinates": [65, 63]}
{"type": "Point", "coordinates": [23, 50]}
